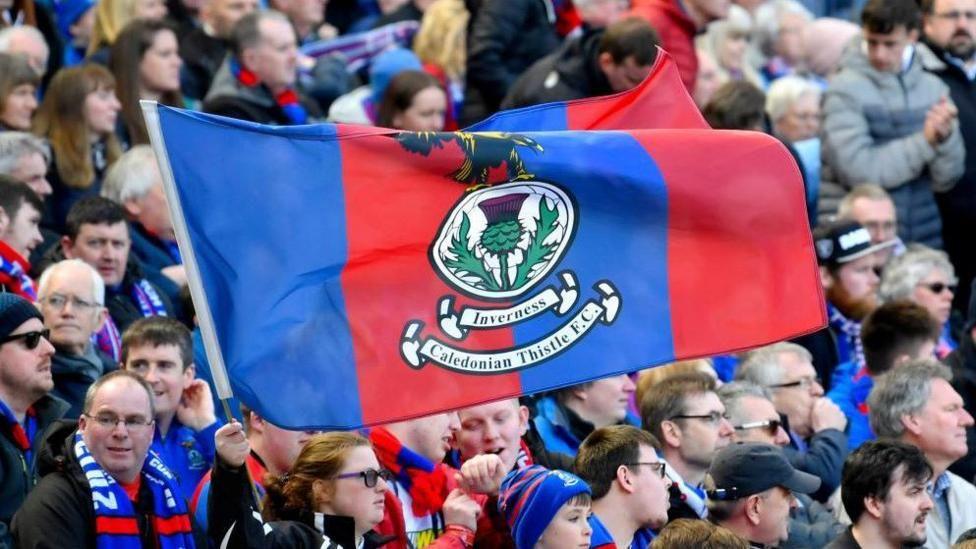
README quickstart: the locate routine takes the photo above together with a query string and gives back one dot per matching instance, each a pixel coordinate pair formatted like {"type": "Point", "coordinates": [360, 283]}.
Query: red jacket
{"type": "Point", "coordinates": [677, 32]}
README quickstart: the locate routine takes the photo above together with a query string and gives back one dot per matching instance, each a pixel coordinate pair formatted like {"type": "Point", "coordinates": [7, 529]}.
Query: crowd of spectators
{"type": "Point", "coordinates": [858, 435]}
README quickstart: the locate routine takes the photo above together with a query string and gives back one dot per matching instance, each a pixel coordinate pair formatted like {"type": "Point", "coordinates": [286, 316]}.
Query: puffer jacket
{"type": "Point", "coordinates": [872, 133]}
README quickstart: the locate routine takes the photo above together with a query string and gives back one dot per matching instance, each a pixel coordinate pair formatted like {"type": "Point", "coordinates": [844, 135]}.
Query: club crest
{"type": "Point", "coordinates": [499, 242]}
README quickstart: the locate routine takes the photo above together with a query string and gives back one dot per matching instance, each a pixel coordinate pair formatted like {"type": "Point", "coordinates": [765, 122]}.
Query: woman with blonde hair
{"type": "Point", "coordinates": [727, 40]}
{"type": "Point", "coordinates": [78, 118]}
{"type": "Point", "coordinates": [333, 496]}
{"type": "Point", "coordinates": [111, 16]}
{"type": "Point", "coordinates": [441, 45]}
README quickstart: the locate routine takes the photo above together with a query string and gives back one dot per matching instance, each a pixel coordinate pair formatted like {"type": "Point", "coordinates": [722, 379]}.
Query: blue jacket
{"type": "Point", "coordinates": [850, 393]}
{"type": "Point", "coordinates": [552, 421]}
{"type": "Point", "coordinates": [601, 538]}
{"type": "Point", "coordinates": [187, 453]}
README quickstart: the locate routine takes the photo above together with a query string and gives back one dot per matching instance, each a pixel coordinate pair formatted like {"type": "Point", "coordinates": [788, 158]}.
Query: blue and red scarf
{"type": "Point", "coordinates": [287, 100]}
{"type": "Point", "coordinates": [116, 524]}
{"type": "Point", "coordinates": [109, 340]}
{"type": "Point", "coordinates": [13, 273]}
{"type": "Point", "coordinates": [423, 480]}
{"type": "Point", "coordinates": [21, 435]}
{"type": "Point", "coordinates": [145, 296]}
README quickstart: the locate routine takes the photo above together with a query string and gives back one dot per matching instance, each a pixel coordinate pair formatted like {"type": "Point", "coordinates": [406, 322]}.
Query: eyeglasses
{"type": "Point", "coordinates": [58, 301]}
{"type": "Point", "coordinates": [771, 425]}
{"type": "Point", "coordinates": [711, 417]}
{"type": "Point", "coordinates": [31, 339]}
{"type": "Point", "coordinates": [939, 287]}
{"type": "Point", "coordinates": [656, 466]}
{"type": "Point", "coordinates": [803, 383]}
{"type": "Point", "coordinates": [110, 421]}
{"type": "Point", "coordinates": [370, 476]}
{"type": "Point", "coordinates": [969, 15]}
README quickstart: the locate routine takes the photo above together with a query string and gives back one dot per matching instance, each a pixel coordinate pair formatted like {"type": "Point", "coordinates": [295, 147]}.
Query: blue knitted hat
{"type": "Point", "coordinates": [530, 497]}
{"type": "Point", "coordinates": [386, 66]}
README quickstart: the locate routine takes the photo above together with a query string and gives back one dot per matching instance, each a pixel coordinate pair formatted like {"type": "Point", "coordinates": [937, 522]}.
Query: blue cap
{"type": "Point", "coordinates": [385, 68]}
{"type": "Point", "coordinates": [68, 12]}
{"type": "Point", "coordinates": [530, 497]}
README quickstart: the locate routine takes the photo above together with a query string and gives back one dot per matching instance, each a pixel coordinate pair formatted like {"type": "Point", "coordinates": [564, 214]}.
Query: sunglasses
{"type": "Point", "coordinates": [771, 425]}
{"type": "Point", "coordinates": [938, 287]}
{"type": "Point", "coordinates": [370, 476]}
{"type": "Point", "coordinates": [31, 339]}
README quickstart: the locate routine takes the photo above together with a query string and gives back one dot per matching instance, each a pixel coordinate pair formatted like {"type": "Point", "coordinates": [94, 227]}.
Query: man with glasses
{"type": "Point", "coordinates": [755, 419]}
{"type": "Point", "coordinates": [750, 489]}
{"type": "Point", "coordinates": [872, 207]}
{"type": "Point", "coordinates": [26, 409]}
{"type": "Point", "coordinates": [815, 425]}
{"type": "Point", "coordinates": [71, 296]}
{"type": "Point", "coordinates": [102, 486]}
{"type": "Point", "coordinates": [949, 32]}
{"type": "Point", "coordinates": [688, 419]}
{"type": "Point", "coordinates": [159, 350]}
{"type": "Point", "coordinates": [629, 485]}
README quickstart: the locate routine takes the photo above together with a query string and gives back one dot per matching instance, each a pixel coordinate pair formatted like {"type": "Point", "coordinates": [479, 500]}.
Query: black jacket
{"type": "Point", "coordinates": [74, 374]}
{"type": "Point", "coordinates": [235, 514]}
{"type": "Point", "coordinates": [17, 477]}
{"type": "Point", "coordinates": [962, 361]}
{"type": "Point", "coordinates": [202, 55]}
{"type": "Point", "coordinates": [572, 72]}
{"type": "Point", "coordinates": [59, 513]}
{"type": "Point", "coordinates": [228, 97]}
{"type": "Point", "coordinates": [958, 206]}
{"type": "Point", "coordinates": [844, 541]}
{"type": "Point", "coordinates": [505, 37]}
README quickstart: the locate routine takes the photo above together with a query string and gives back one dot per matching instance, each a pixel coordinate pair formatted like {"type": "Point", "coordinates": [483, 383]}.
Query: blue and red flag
{"type": "Point", "coordinates": [356, 276]}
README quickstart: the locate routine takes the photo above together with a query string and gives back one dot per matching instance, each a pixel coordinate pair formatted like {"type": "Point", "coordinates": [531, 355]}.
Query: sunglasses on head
{"type": "Point", "coordinates": [31, 339]}
{"type": "Point", "coordinates": [938, 287]}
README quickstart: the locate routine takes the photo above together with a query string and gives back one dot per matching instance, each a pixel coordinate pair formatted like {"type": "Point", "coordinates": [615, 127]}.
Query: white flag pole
{"type": "Point", "coordinates": [200, 304]}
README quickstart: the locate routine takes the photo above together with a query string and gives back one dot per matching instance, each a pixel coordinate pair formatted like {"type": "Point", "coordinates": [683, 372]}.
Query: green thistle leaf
{"type": "Point", "coordinates": [538, 252]}
{"type": "Point", "coordinates": [467, 262]}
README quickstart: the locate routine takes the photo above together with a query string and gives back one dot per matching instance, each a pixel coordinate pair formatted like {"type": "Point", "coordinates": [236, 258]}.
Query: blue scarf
{"type": "Point", "coordinates": [849, 343]}
{"type": "Point", "coordinates": [148, 300]}
{"type": "Point", "coordinates": [116, 525]}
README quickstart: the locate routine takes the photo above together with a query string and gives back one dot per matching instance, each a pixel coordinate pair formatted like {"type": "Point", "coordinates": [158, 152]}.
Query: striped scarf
{"type": "Point", "coordinates": [849, 342]}
{"type": "Point", "coordinates": [287, 100]}
{"type": "Point", "coordinates": [424, 481]}
{"type": "Point", "coordinates": [13, 273]}
{"type": "Point", "coordinates": [116, 524]}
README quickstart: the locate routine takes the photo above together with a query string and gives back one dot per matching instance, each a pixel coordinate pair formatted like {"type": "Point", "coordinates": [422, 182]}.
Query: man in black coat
{"type": "Point", "coordinates": [204, 48]}
{"type": "Point", "coordinates": [950, 37]}
{"type": "Point", "coordinates": [599, 62]}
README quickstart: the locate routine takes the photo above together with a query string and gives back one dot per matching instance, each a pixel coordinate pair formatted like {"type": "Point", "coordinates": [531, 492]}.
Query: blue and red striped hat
{"type": "Point", "coordinates": [530, 497]}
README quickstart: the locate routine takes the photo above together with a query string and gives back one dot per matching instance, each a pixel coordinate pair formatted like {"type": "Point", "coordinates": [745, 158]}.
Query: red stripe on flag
{"type": "Point", "coordinates": [178, 524]}
{"type": "Point", "coordinates": [660, 101]}
{"type": "Point", "coordinates": [117, 525]}
{"type": "Point", "coordinates": [741, 262]}
{"type": "Point", "coordinates": [389, 281]}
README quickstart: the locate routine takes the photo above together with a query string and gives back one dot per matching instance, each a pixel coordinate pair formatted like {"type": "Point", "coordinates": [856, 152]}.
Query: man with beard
{"type": "Point", "coordinates": [849, 270]}
{"type": "Point", "coordinates": [916, 404]}
{"type": "Point", "coordinates": [949, 32]}
{"type": "Point", "coordinates": [885, 496]}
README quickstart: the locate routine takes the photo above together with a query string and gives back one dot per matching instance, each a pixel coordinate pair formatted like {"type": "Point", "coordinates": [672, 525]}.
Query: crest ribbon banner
{"type": "Point", "coordinates": [355, 276]}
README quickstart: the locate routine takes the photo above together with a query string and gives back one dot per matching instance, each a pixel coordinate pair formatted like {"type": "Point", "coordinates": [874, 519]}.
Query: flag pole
{"type": "Point", "coordinates": [197, 292]}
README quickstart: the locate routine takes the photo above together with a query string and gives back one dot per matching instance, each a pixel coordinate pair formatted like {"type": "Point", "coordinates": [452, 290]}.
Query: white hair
{"type": "Point", "coordinates": [132, 176]}
{"type": "Point", "coordinates": [7, 36]}
{"type": "Point", "coordinates": [767, 21]}
{"type": "Point", "coordinates": [98, 285]}
{"type": "Point", "coordinates": [904, 272]}
{"type": "Point", "coordinates": [785, 91]}
{"type": "Point", "coordinates": [16, 145]}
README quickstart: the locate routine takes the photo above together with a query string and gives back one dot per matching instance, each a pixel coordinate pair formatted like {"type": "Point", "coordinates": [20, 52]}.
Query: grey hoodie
{"type": "Point", "coordinates": [872, 133]}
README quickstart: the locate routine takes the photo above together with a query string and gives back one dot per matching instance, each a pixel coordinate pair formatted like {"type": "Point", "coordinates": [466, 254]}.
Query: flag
{"type": "Point", "coordinates": [356, 276]}
{"type": "Point", "coordinates": [358, 50]}
{"type": "Point", "coordinates": [659, 102]}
